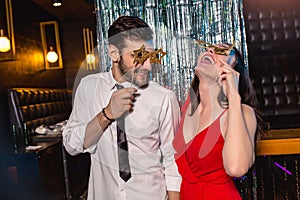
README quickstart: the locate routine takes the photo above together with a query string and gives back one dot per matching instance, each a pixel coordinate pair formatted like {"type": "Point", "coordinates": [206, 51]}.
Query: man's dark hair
{"type": "Point", "coordinates": [128, 27]}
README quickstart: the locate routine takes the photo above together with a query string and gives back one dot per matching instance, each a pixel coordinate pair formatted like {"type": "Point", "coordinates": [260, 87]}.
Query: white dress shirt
{"type": "Point", "coordinates": [150, 129]}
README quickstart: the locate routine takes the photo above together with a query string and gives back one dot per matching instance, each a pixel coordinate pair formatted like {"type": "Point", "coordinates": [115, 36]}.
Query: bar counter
{"type": "Point", "coordinates": [279, 142]}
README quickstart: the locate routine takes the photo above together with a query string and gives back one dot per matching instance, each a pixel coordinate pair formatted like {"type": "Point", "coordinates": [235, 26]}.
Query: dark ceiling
{"type": "Point", "coordinates": [69, 8]}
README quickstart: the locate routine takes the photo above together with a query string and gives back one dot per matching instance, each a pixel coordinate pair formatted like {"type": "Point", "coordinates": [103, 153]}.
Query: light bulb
{"type": "Point", "coordinates": [52, 56]}
{"type": "Point", "coordinates": [90, 59]}
{"type": "Point", "coordinates": [56, 3]}
{"type": "Point", "coordinates": [4, 42]}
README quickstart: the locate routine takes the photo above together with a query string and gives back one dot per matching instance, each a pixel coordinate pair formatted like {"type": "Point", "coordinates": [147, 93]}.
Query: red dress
{"type": "Point", "coordinates": [200, 164]}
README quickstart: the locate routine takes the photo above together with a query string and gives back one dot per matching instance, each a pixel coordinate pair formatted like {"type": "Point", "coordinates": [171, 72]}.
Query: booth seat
{"type": "Point", "coordinates": [273, 41]}
{"type": "Point", "coordinates": [38, 106]}
{"type": "Point", "coordinates": [279, 99]}
{"type": "Point", "coordinates": [31, 108]}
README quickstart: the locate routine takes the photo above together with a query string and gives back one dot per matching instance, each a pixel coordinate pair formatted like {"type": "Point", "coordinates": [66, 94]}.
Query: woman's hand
{"type": "Point", "coordinates": [228, 79]}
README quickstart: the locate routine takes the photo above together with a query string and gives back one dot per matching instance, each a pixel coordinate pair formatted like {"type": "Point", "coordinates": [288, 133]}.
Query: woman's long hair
{"type": "Point", "coordinates": [246, 91]}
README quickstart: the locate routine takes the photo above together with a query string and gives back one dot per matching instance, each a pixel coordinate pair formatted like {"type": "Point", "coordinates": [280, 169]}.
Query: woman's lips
{"type": "Point", "coordinates": [208, 59]}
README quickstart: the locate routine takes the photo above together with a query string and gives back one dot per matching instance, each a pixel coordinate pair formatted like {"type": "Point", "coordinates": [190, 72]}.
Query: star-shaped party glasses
{"type": "Point", "coordinates": [217, 49]}
{"type": "Point", "coordinates": [141, 55]}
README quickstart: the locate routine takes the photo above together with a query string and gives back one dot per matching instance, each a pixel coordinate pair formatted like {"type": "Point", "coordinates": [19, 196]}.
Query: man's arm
{"type": "Point", "coordinates": [74, 131]}
{"type": "Point", "coordinates": [119, 103]}
{"type": "Point", "coordinates": [83, 131]}
{"type": "Point", "coordinates": [95, 128]}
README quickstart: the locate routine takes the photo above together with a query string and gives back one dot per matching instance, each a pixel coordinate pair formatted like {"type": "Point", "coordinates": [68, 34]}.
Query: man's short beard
{"type": "Point", "coordinates": [130, 76]}
{"type": "Point", "coordinates": [121, 68]}
{"type": "Point", "coordinates": [126, 75]}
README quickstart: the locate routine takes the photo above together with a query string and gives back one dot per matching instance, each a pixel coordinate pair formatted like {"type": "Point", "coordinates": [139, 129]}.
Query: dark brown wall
{"type": "Point", "coordinates": [72, 45]}
{"type": "Point", "coordinates": [28, 68]}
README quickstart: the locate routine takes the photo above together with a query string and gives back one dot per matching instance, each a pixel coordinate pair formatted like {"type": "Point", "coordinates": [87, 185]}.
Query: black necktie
{"type": "Point", "coordinates": [124, 168]}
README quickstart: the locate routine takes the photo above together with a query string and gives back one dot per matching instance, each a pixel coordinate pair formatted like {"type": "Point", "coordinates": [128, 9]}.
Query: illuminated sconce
{"type": "Point", "coordinates": [90, 58]}
{"type": "Point", "coordinates": [7, 38]}
{"type": "Point", "coordinates": [4, 42]}
{"type": "Point", "coordinates": [51, 45]}
{"type": "Point", "coordinates": [88, 49]}
{"type": "Point", "coordinates": [52, 56]}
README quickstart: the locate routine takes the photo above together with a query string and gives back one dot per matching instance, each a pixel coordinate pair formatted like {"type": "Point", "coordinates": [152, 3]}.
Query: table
{"type": "Point", "coordinates": [40, 172]}
{"type": "Point", "coordinates": [47, 137]}
{"type": "Point", "coordinates": [51, 167]}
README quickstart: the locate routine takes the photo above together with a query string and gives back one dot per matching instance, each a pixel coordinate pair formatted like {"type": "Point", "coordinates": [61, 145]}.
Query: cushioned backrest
{"type": "Point", "coordinates": [273, 41]}
{"type": "Point", "coordinates": [273, 35]}
{"type": "Point", "coordinates": [278, 94]}
{"type": "Point", "coordinates": [38, 106]}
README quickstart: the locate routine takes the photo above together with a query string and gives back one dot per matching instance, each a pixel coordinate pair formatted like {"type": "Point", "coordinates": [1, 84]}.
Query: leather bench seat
{"type": "Point", "coordinates": [46, 106]}
{"type": "Point", "coordinates": [279, 99]}
{"type": "Point", "coordinates": [273, 41]}
{"type": "Point", "coordinates": [38, 106]}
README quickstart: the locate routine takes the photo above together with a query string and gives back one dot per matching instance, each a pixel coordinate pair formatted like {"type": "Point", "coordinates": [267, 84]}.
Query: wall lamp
{"type": "Point", "coordinates": [51, 45]}
{"type": "Point", "coordinates": [56, 3]}
{"type": "Point", "coordinates": [52, 56]}
{"type": "Point", "coordinates": [7, 38]}
{"type": "Point", "coordinates": [4, 42]}
{"type": "Point", "coordinates": [89, 49]}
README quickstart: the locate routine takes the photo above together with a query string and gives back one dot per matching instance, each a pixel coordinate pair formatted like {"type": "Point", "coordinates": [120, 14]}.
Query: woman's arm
{"type": "Point", "coordinates": [240, 126]}
{"type": "Point", "coordinates": [238, 150]}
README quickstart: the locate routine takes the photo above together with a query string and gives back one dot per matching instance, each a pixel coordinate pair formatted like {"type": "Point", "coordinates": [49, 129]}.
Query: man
{"type": "Point", "coordinates": [151, 116]}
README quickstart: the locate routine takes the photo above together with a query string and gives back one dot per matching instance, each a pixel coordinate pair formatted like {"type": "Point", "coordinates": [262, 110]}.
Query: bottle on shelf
{"type": "Point", "coordinates": [14, 132]}
{"type": "Point", "coordinates": [26, 135]}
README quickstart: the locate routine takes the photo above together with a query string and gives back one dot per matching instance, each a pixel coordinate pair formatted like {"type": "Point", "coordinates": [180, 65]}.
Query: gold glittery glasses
{"type": "Point", "coordinates": [220, 50]}
{"type": "Point", "coordinates": [141, 55]}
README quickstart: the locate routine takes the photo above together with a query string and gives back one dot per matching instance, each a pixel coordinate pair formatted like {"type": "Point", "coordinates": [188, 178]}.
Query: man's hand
{"type": "Point", "coordinates": [120, 102]}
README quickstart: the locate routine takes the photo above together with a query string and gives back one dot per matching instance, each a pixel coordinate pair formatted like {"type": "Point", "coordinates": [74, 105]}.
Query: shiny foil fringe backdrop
{"type": "Point", "coordinates": [176, 25]}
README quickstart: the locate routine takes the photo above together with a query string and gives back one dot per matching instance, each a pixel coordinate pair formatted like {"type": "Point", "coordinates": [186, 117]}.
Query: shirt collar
{"type": "Point", "coordinates": [113, 82]}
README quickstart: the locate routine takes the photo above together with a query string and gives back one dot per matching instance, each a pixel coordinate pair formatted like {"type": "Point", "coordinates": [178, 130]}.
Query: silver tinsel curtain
{"type": "Point", "coordinates": [176, 25]}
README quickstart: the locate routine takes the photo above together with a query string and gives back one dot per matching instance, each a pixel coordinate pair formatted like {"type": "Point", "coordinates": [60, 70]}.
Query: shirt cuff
{"type": "Point", "coordinates": [73, 140]}
{"type": "Point", "coordinates": [173, 183]}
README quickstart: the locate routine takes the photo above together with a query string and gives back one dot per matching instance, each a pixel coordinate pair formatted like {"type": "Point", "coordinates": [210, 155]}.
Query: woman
{"type": "Point", "coordinates": [216, 138]}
